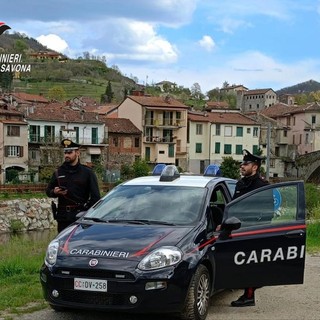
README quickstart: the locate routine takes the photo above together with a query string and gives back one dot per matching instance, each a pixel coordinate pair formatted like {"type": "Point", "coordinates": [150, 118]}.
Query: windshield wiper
{"type": "Point", "coordinates": [94, 219]}
{"type": "Point", "coordinates": [141, 221]}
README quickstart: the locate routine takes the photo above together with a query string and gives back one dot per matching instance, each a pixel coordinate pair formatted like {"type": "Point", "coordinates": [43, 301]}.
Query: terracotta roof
{"type": "Point", "coordinates": [29, 97]}
{"type": "Point", "coordinates": [230, 118]}
{"type": "Point", "coordinates": [105, 109]}
{"type": "Point", "coordinates": [158, 102]}
{"type": "Point", "coordinates": [60, 113]}
{"type": "Point", "coordinates": [280, 109]}
{"type": "Point", "coordinates": [217, 104]}
{"type": "Point", "coordinates": [10, 112]}
{"type": "Point", "coordinates": [121, 125]}
{"type": "Point", "coordinates": [257, 91]}
{"type": "Point", "coordinates": [198, 117]}
{"type": "Point", "coordinates": [222, 118]}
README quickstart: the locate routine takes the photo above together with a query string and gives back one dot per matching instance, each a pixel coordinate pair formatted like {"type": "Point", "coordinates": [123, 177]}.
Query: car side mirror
{"type": "Point", "coordinates": [228, 226]}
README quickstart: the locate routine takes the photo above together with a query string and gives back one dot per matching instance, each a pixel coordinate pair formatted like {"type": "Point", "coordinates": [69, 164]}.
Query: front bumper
{"type": "Point", "coordinates": [125, 294]}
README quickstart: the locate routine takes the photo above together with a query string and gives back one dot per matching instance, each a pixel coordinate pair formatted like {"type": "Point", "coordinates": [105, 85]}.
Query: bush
{"type": "Point", "coordinates": [16, 226]}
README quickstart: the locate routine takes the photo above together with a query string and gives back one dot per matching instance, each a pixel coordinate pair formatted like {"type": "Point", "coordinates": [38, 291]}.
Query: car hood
{"type": "Point", "coordinates": [118, 241]}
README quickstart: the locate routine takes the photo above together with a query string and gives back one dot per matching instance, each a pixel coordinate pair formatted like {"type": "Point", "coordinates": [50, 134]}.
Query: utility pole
{"type": "Point", "coordinates": [268, 152]}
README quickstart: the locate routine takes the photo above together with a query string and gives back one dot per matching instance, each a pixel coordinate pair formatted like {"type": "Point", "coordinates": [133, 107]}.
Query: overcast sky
{"type": "Point", "coordinates": [260, 44]}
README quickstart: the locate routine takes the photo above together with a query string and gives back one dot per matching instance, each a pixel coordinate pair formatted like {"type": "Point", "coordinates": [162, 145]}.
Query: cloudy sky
{"type": "Point", "coordinates": [260, 44]}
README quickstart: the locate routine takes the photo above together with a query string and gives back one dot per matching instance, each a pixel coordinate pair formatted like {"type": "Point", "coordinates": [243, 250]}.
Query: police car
{"type": "Point", "coordinates": [151, 245]}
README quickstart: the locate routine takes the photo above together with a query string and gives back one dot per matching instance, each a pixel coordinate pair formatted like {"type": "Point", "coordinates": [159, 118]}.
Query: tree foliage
{"type": "Point", "coordinates": [230, 168]}
{"type": "Point", "coordinates": [109, 94]}
{"type": "Point", "coordinates": [57, 93]}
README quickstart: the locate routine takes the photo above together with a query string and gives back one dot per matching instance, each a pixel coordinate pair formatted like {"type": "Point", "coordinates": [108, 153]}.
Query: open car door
{"type": "Point", "coordinates": [263, 238]}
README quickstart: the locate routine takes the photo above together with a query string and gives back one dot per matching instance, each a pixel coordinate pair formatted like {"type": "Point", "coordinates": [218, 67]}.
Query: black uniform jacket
{"type": "Point", "coordinates": [247, 184]}
{"type": "Point", "coordinates": [83, 190]}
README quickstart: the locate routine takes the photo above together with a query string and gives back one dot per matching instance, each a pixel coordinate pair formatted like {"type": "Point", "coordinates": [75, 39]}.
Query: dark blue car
{"type": "Point", "coordinates": [151, 245]}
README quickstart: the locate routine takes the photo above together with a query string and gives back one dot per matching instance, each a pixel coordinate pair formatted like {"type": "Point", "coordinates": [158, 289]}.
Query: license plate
{"type": "Point", "coordinates": [90, 284]}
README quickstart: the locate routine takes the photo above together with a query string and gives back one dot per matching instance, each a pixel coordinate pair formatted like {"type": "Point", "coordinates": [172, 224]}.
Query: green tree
{"type": "Point", "coordinates": [230, 168]}
{"type": "Point", "coordinates": [57, 93]}
{"type": "Point", "coordinates": [301, 99]}
{"type": "Point", "coordinates": [140, 168]}
{"type": "Point", "coordinates": [108, 95]}
{"type": "Point", "coordinates": [6, 79]}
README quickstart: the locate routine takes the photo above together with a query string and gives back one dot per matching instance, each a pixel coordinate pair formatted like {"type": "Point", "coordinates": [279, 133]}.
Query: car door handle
{"type": "Point", "coordinates": [295, 233]}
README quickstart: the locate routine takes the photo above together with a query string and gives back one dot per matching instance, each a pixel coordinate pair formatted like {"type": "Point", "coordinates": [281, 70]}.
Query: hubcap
{"type": "Point", "coordinates": [203, 295]}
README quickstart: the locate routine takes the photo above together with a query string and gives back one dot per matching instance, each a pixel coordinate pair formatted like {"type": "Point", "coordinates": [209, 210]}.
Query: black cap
{"type": "Point", "coordinates": [68, 144]}
{"type": "Point", "coordinates": [249, 157]}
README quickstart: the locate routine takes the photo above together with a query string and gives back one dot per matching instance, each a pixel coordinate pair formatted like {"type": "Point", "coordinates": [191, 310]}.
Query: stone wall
{"type": "Point", "coordinates": [35, 214]}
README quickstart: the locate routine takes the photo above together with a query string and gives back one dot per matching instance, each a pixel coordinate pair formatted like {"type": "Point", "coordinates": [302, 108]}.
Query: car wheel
{"type": "Point", "coordinates": [196, 306]}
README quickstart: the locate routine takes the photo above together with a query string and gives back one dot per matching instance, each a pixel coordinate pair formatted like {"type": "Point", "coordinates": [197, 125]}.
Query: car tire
{"type": "Point", "coordinates": [197, 302]}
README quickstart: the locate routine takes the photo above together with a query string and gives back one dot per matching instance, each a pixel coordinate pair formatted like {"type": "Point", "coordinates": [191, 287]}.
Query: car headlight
{"type": "Point", "coordinates": [161, 258]}
{"type": "Point", "coordinates": [52, 253]}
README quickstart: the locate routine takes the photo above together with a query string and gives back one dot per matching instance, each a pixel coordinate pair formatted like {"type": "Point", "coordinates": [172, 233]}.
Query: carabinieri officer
{"type": "Point", "coordinates": [74, 184]}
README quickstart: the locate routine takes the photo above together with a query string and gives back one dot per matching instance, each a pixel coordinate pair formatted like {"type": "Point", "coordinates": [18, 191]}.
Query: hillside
{"type": "Point", "coordinates": [304, 87]}
{"type": "Point", "coordinates": [78, 77]}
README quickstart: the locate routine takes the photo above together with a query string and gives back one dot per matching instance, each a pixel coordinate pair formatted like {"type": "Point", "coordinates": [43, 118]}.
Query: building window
{"type": "Point", "coordinates": [171, 150]}
{"type": "Point", "coordinates": [198, 147]}
{"type": "Point", "coordinates": [306, 141]}
{"type": "Point", "coordinates": [255, 149]}
{"type": "Point", "coordinates": [76, 129]}
{"type": "Point", "coordinates": [313, 119]}
{"type": "Point", "coordinates": [217, 147]}
{"type": "Point", "coordinates": [199, 129]}
{"type": "Point", "coordinates": [257, 105]}
{"type": "Point", "coordinates": [218, 129]}
{"type": "Point", "coordinates": [94, 135]}
{"type": "Point", "coordinates": [13, 151]}
{"type": "Point", "coordinates": [288, 121]}
{"type": "Point", "coordinates": [115, 142]}
{"type": "Point", "coordinates": [272, 163]}
{"type": "Point", "coordinates": [34, 133]}
{"type": "Point", "coordinates": [277, 151]}
{"type": "Point", "coordinates": [294, 121]}
{"type": "Point", "coordinates": [49, 134]}
{"type": "Point", "coordinates": [13, 131]}
{"type": "Point", "coordinates": [228, 131]}
{"type": "Point", "coordinates": [248, 130]}
{"type": "Point", "coordinates": [255, 131]}
{"type": "Point", "coordinates": [239, 149]}
{"type": "Point", "coordinates": [285, 133]}
{"type": "Point", "coordinates": [227, 149]}
{"type": "Point", "coordinates": [33, 154]}
{"type": "Point", "coordinates": [239, 131]}
{"type": "Point", "coordinates": [136, 142]}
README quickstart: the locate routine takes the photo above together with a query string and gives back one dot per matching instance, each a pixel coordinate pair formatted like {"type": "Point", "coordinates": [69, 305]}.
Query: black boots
{"type": "Point", "coordinates": [246, 300]}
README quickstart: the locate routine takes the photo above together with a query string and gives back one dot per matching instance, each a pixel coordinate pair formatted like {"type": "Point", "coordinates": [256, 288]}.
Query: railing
{"type": "Point", "coordinates": [159, 139]}
{"type": "Point", "coordinates": [164, 122]}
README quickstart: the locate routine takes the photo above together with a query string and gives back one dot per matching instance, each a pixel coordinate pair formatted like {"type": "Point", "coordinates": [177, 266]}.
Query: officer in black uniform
{"type": "Point", "coordinates": [251, 180]}
{"type": "Point", "coordinates": [74, 184]}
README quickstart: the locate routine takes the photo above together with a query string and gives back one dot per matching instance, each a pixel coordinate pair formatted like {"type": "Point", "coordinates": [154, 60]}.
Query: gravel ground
{"type": "Point", "coordinates": [293, 302]}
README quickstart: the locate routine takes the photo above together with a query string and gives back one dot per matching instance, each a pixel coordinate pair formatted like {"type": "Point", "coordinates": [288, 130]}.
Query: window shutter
{"type": "Point", "coordinates": [6, 151]}
{"type": "Point", "coordinates": [21, 152]}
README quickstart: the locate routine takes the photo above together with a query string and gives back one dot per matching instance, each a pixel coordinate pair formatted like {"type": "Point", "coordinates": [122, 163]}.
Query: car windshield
{"type": "Point", "coordinates": [167, 204]}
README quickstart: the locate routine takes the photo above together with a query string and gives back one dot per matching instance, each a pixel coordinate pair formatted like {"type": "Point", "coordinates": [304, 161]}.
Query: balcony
{"type": "Point", "coordinates": [164, 122]}
{"type": "Point", "coordinates": [157, 139]}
